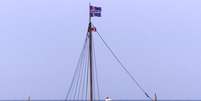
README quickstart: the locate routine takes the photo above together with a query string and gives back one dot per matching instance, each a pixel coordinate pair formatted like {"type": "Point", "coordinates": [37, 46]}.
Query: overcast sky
{"type": "Point", "coordinates": [157, 40]}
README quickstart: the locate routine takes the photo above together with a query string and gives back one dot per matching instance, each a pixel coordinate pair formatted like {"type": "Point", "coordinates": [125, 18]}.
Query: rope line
{"type": "Point", "coordinates": [96, 72]}
{"type": "Point", "coordinates": [79, 86]}
{"type": "Point", "coordinates": [84, 77]}
{"type": "Point", "coordinates": [121, 64]}
{"type": "Point", "coordinates": [76, 70]}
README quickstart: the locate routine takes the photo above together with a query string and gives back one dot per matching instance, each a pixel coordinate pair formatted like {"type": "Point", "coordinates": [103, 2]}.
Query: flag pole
{"type": "Point", "coordinates": [90, 58]}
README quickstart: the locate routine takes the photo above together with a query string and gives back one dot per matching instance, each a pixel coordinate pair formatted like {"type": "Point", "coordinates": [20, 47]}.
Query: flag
{"type": "Point", "coordinates": [95, 11]}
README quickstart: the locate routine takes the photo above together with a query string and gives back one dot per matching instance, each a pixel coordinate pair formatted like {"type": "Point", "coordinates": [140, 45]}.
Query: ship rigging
{"type": "Point", "coordinates": [84, 85]}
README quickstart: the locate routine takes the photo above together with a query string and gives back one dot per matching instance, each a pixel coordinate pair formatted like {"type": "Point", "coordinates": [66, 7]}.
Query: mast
{"type": "Point", "coordinates": [90, 60]}
{"type": "Point", "coordinates": [29, 98]}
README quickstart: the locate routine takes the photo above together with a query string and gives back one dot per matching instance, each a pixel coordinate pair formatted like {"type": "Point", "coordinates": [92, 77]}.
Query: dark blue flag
{"type": "Point", "coordinates": [95, 11]}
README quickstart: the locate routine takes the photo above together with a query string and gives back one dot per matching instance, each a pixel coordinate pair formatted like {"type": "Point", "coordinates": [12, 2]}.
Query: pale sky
{"type": "Point", "coordinates": [157, 40]}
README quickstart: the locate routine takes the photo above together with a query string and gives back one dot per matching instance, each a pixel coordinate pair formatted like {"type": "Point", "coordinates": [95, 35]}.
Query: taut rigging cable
{"type": "Point", "coordinates": [121, 64]}
{"type": "Point", "coordinates": [77, 69]}
{"type": "Point", "coordinates": [79, 84]}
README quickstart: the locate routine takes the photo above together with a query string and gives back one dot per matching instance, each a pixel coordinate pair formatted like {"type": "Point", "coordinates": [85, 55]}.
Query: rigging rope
{"type": "Point", "coordinates": [79, 88]}
{"type": "Point", "coordinates": [121, 64]}
{"type": "Point", "coordinates": [87, 79]}
{"type": "Point", "coordinates": [84, 76]}
{"type": "Point", "coordinates": [76, 70]}
{"type": "Point", "coordinates": [96, 71]}
{"type": "Point", "coordinates": [79, 85]}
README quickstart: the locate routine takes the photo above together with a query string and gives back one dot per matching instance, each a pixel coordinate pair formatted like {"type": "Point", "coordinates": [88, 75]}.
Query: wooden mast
{"type": "Point", "coordinates": [90, 59]}
{"type": "Point", "coordinates": [29, 98]}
